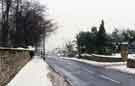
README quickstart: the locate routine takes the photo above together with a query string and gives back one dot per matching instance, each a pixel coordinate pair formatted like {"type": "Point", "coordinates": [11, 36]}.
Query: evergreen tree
{"type": "Point", "coordinates": [101, 40]}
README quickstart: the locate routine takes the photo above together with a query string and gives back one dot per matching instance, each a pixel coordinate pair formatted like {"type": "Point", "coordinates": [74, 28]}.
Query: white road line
{"type": "Point", "coordinates": [92, 72]}
{"type": "Point", "coordinates": [108, 78]}
{"type": "Point", "coordinates": [104, 77]}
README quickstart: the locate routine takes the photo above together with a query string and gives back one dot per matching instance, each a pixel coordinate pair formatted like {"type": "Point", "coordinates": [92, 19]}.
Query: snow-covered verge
{"type": "Point", "coordinates": [102, 58]}
{"type": "Point", "coordinates": [117, 55]}
{"type": "Point", "coordinates": [119, 66]}
{"type": "Point", "coordinates": [108, 56]}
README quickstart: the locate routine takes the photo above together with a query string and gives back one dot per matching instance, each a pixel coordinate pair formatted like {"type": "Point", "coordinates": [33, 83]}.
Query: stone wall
{"type": "Point", "coordinates": [11, 61]}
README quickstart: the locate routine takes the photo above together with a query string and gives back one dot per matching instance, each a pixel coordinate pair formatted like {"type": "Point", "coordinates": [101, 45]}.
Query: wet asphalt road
{"type": "Point", "coordinates": [82, 74]}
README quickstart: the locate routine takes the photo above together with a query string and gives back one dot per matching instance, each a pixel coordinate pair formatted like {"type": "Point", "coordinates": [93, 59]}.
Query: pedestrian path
{"type": "Point", "coordinates": [34, 73]}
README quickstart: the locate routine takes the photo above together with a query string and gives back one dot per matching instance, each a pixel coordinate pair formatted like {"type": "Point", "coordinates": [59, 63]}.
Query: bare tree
{"type": "Point", "coordinates": [24, 23]}
{"type": "Point", "coordinates": [6, 5]}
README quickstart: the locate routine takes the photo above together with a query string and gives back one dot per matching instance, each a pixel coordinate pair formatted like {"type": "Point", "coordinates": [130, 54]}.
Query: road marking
{"type": "Point", "coordinates": [104, 77]}
{"type": "Point", "coordinates": [108, 78]}
{"type": "Point", "coordinates": [92, 72]}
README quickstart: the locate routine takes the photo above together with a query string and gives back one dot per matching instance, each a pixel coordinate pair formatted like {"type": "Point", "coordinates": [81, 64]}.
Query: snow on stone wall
{"type": "Point", "coordinates": [11, 61]}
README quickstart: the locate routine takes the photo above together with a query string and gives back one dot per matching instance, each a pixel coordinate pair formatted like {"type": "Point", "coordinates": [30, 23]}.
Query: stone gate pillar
{"type": "Point", "coordinates": [124, 51]}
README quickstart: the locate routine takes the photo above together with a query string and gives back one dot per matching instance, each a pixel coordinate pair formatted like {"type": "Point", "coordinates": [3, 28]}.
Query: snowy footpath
{"type": "Point", "coordinates": [34, 73]}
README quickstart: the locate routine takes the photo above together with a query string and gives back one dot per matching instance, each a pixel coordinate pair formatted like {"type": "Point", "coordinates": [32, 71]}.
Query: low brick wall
{"type": "Point", "coordinates": [131, 63]}
{"type": "Point", "coordinates": [11, 61]}
{"type": "Point", "coordinates": [102, 59]}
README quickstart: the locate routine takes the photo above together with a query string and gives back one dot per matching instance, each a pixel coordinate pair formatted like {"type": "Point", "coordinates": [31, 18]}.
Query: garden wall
{"type": "Point", "coordinates": [101, 58]}
{"type": "Point", "coordinates": [11, 61]}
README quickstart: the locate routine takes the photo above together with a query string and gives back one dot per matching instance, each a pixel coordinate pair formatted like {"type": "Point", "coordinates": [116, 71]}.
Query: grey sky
{"type": "Point", "coordinates": [73, 16]}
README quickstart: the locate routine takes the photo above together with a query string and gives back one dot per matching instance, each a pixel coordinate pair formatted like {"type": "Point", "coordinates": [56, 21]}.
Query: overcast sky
{"type": "Point", "coordinates": [73, 16]}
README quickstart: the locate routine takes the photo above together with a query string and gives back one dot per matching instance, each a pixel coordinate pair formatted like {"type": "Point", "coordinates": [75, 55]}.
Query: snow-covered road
{"type": "Point", "coordinates": [82, 74]}
{"type": "Point", "coordinates": [33, 74]}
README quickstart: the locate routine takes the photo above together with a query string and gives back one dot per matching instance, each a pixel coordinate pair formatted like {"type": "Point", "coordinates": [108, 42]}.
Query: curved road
{"type": "Point", "coordinates": [82, 74]}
